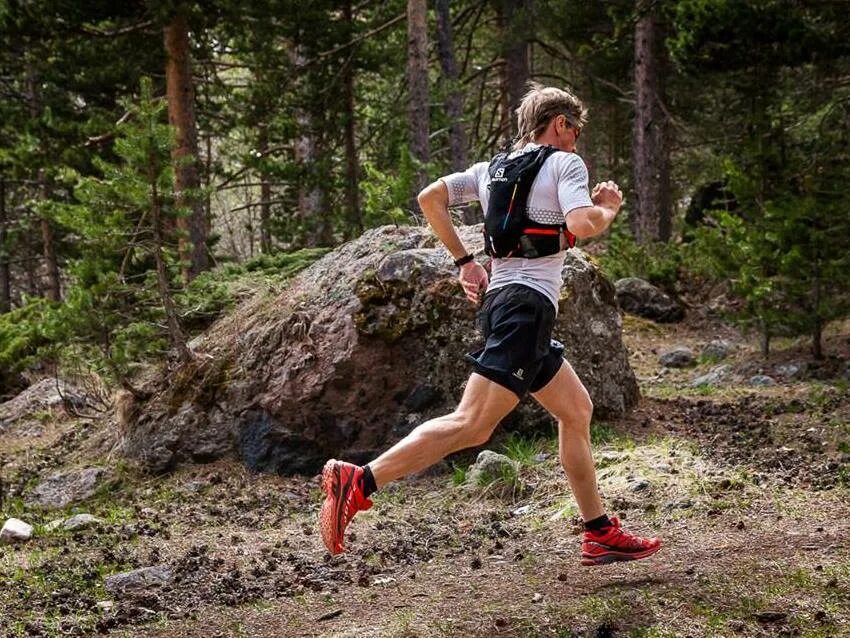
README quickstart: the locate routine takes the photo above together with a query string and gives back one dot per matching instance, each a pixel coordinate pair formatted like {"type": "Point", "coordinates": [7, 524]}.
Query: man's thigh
{"type": "Point", "coordinates": [563, 394]}
{"type": "Point", "coordinates": [485, 401]}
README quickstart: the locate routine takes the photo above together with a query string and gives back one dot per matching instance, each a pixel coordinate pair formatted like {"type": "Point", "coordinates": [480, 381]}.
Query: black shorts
{"type": "Point", "coordinates": [519, 353]}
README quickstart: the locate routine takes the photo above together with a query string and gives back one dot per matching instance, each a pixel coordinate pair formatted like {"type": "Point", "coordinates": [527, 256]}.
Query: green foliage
{"type": "Point", "coordinates": [386, 195]}
{"type": "Point", "coordinates": [787, 256]}
{"type": "Point", "coordinates": [23, 332]}
{"type": "Point", "coordinates": [659, 263]}
{"type": "Point", "coordinates": [523, 449]}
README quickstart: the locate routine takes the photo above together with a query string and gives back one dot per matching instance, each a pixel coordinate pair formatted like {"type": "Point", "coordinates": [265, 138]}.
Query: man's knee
{"type": "Point", "coordinates": [470, 430]}
{"type": "Point", "coordinates": [578, 417]}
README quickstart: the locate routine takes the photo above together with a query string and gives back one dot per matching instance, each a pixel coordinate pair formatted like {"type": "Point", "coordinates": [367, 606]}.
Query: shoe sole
{"type": "Point", "coordinates": [617, 557]}
{"type": "Point", "coordinates": [327, 523]}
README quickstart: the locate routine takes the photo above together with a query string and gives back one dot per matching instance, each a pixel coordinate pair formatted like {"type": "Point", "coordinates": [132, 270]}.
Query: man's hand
{"type": "Point", "coordinates": [607, 195]}
{"type": "Point", "coordinates": [474, 280]}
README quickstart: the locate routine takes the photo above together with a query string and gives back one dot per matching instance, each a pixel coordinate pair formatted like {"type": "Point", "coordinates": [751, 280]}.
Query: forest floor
{"type": "Point", "coordinates": [749, 487]}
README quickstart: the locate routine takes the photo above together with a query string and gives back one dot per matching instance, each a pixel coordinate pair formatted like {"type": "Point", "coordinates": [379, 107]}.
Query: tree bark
{"type": "Point", "coordinates": [352, 166]}
{"type": "Point", "coordinates": [651, 220]}
{"type": "Point", "coordinates": [5, 270]}
{"type": "Point", "coordinates": [418, 124]}
{"type": "Point", "coordinates": [454, 101]}
{"type": "Point", "coordinates": [265, 191]}
{"type": "Point", "coordinates": [315, 224]}
{"type": "Point", "coordinates": [175, 332]}
{"type": "Point", "coordinates": [180, 91]}
{"type": "Point", "coordinates": [517, 30]}
{"type": "Point", "coordinates": [53, 289]}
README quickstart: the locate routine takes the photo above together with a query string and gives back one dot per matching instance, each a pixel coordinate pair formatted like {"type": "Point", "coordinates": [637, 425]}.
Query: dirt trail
{"type": "Point", "coordinates": [748, 486]}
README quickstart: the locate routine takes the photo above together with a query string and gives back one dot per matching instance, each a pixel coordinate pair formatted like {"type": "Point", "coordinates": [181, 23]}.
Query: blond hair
{"type": "Point", "coordinates": [540, 105]}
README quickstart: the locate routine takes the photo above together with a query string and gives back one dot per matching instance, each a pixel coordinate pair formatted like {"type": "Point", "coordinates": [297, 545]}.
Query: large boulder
{"type": "Point", "coordinates": [639, 297]}
{"type": "Point", "coordinates": [359, 347]}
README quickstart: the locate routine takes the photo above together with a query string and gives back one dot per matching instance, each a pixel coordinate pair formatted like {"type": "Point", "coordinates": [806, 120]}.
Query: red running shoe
{"type": "Point", "coordinates": [612, 544]}
{"type": "Point", "coordinates": [341, 482]}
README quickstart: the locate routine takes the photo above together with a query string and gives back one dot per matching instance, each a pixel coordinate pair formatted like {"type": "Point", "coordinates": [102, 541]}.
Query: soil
{"type": "Point", "coordinates": [748, 486]}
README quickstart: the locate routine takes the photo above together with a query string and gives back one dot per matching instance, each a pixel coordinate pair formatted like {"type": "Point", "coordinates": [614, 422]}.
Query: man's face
{"type": "Point", "coordinates": [566, 134]}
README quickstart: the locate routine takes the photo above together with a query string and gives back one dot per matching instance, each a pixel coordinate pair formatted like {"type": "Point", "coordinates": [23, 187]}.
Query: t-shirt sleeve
{"type": "Point", "coordinates": [572, 183]}
{"type": "Point", "coordinates": [463, 186]}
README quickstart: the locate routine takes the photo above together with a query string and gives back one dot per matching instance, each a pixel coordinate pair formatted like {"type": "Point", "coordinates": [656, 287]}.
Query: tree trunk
{"type": "Point", "coordinates": [652, 214]}
{"type": "Point", "coordinates": [265, 191]}
{"type": "Point", "coordinates": [316, 228]}
{"type": "Point", "coordinates": [181, 115]}
{"type": "Point", "coordinates": [5, 271]}
{"type": "Point", "coordinates": [352, 166]}
{"type": "Point", "coordinates": [454, 101]}
{"type": "Point", "coordinates": [418, 124]}
{"type": "Point", "coordinates": [517, 29]}
{"type": "Point", "coordinates": [52, 289]}
{"type": "Point", "coordinates": [817, 326]}
{"type": "Point", "coordinates": [175, 333]}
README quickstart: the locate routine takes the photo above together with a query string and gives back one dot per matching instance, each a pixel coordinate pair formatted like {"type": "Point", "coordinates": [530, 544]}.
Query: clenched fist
{"type": "Point", "coordinates": [608, 195]}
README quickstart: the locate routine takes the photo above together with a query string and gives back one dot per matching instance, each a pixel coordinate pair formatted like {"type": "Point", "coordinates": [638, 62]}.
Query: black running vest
{"type": "Point", "coordinates": [508, 231]}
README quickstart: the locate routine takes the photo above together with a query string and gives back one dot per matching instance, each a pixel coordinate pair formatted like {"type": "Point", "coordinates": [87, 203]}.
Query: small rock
{"type": "Point", "coordinates": [762, 380]}
{"type": "Point", "coordinates": [80, 521]}
{"type": "Point", "coordinates": [15, 530]}
{"type": "Point", "coordinates": [62, 489]}
{"type": "Point", "coordinates": [639, 297]}
{"type": "Point", "coordinates": [490, 467]}
{"type": "Point", "coordinates": [385, 581]}
{"type": "Point", "coordinates": [717, 374]}
{"type": "Point", "coordinates": [537, 597]}
{"type": "Point", "coordinates": [640, 485]}
{"type": "Point", "coordinates": [611, 456]}
{"type": "Point", "coordinates": [716, 350]}
{"type": "Point", "coordinates": [143, 578]}
{"type": "Point", "coordinates": [682, 504]}
{"type": "Point", "coordinates": [521, 511]}
{"type": "Point", "coordinates": [540, 457]}
{"type": "Point", "coordinates": [771, 616]}
{"type": "Point", "coordinates": [678, 357]}
{"type": "Point", "coordinates": [790, 370]}
{"type": "Point", "coordinates": [105, 605]}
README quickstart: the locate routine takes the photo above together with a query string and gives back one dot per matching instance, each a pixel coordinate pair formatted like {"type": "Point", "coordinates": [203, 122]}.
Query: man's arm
{"type": "Point", "coordinates": [589, 221]}
{"type": "Point", "coordinates": [434, 202]}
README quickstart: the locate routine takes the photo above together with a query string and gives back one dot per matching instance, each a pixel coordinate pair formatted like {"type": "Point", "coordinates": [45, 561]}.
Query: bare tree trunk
{"type": "Point", "coordinates": [454, 100]}
{"type": "Point", "coordinates": [352, 166]}
{"type": "Point", "coordinates": [52, 290]}
{"type": "Point", "coordinates": [517, 30]}
{"type": "Point", "coordinates": [652, 215]}
{"type": "Point", "coordinates": [310, 195]}
{"type": "Point", "coordinates": [265, 191]}
{"type": "Point", "coordinates": [5, 271]}
{"type": "Point", "coordinates": [817, 325]}
{"type": "Point", "coordinates": [418, 124]}
{"type": "Point", "coordinates": [175, 333]}
{"type": "Point", "coordinates": [181, 114]}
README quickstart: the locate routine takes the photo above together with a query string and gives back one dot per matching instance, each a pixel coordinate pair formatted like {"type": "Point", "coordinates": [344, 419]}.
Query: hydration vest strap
{"type": "Point", "coordinates": [541, 231]}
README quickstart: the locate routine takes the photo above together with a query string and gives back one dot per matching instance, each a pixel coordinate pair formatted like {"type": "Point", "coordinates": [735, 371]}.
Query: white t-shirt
{"type": "Point", "coordinates": [560, 186]}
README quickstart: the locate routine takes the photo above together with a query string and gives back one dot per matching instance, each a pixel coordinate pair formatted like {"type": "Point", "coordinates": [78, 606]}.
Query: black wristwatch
{"type": "Point", "coordinates": [464, 260]}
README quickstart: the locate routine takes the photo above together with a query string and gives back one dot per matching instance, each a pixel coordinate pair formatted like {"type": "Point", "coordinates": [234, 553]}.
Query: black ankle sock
{"type": "Point", "coordinates": [368, 482]}
{"type": "Point", "coordinates": [597, 523]}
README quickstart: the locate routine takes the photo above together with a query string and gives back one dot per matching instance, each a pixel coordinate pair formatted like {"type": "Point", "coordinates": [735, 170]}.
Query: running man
{"type": "Point", "coordinates": [517, 315]}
